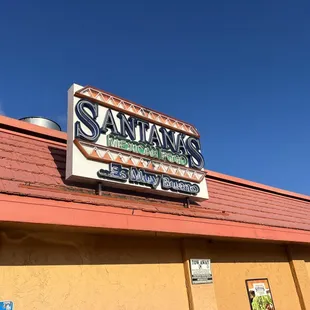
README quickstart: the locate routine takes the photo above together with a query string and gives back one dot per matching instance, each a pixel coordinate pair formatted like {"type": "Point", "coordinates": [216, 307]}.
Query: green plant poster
{"type": "Point", "coordinates": [259, 293]}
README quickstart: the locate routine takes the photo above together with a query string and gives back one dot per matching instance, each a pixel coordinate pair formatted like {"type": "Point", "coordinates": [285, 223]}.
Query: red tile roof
{"type": "Point", "coordinates": [32, 163]}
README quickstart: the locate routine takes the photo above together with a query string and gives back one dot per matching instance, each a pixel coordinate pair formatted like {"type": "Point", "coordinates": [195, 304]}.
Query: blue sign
{"type": "Point", "coordinates": [6, 305]}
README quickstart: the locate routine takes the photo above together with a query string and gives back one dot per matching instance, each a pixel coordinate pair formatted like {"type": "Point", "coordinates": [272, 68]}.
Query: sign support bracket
{"type": "Point", "coordinates": [187, 203]}
{"type": "Point", "coordinates": [99, 189]}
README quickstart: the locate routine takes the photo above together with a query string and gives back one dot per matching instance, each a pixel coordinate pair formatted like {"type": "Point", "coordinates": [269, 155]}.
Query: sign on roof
{"type": "Point", "coordinates": [125, 145]}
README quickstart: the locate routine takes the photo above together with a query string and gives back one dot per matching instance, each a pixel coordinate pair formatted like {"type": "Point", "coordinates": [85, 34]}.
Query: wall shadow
{"type": "Point", "coordinates": [30, 248]}
{"type": "Point", "coordinates": [246, 252]}
{"type": "Point", "coordinates": [54, 247]}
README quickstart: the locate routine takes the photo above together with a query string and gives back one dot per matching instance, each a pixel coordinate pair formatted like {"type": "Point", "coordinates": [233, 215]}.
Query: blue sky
{"type": "Point", "coordinates": [239, 70]}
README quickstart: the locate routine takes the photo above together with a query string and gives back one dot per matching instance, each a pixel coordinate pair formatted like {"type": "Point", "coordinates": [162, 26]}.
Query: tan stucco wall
{"type": "Point", "coordinates": [62, 271]}
{"type": "Point", "coordinates": [308, 267]}
{"type": "Point", "coordinates": [304, 253]}
{"type": "Point", "coordinates": [201, 296]}
{"type": "Point", "coordinates": [299, 261]}
{"type": "Point", "coordinates": [84, 271]}
{"type": "Point", "coordinates": [233, 263]}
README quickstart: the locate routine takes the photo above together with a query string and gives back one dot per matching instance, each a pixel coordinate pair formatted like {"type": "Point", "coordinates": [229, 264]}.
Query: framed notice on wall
{"type": "Point", "coordinates": [260, 295]}
{"type": "Point", "coordinates": [201, 271]}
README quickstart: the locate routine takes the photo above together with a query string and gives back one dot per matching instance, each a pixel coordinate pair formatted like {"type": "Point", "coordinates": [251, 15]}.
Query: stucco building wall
{"type": "Point", "coordinates": [57, 270]}
{"type": "Point", "coordinates": [234, 262]}
{"type": "Point", "coordinates": [64, 271]}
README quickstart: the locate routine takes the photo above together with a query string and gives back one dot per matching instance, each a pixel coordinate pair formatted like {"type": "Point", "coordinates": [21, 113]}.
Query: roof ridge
{"type": "Point", "coordinates": [247, 183]}
{"type": "Point", "coordinates": [30, 130]}
{"type": "Point", "coordinates": [15, 125]}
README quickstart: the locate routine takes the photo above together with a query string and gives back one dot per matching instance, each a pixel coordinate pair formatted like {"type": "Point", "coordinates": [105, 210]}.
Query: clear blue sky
{"type": "Point", "coordinates": [239, 70]}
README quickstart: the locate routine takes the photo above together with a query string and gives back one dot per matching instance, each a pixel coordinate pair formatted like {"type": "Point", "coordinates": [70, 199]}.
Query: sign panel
{"type": "Point", "coordinates": [6, 305]}
{"type": "Point", "coordinates": [201, 271]}
{"type": "Point", "coordinates": [259, 293]}
{"type": "Point", "coordinates": [122, 144]}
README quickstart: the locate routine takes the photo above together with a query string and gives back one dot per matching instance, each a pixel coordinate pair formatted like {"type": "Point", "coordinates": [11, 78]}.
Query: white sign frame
{"type": "Point", "coordinates": [82, 165]}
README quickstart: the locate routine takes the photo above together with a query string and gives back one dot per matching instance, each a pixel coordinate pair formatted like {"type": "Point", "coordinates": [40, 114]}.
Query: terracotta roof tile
{"type": "Point", "coordinates": [36, 168]}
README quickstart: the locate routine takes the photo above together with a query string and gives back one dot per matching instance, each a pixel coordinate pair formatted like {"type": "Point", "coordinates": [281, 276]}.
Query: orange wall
{"type": "Point", "coordinates": [306, 257]}
{"type": "Point", "coordinates": [49, 270]}
{"type": "Point", "coordinates": [53, 271]}
{"type": "Point", "coordinates": [233, 263]}
{"type": "Point", "coordinates": [201, 296]}
{"type": "Point", "coordinates": [299, 260]}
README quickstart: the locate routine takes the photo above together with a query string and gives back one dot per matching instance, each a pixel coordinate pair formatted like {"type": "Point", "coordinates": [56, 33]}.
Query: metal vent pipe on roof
{"type": "Point", "coordinates": [41, 121]}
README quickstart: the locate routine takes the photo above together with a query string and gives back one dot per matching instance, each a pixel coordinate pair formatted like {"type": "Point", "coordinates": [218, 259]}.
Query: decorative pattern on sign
{"type": "Point", "coordinates": [131, 108]}
{"type": "Point", "coordinates": [108, 155]}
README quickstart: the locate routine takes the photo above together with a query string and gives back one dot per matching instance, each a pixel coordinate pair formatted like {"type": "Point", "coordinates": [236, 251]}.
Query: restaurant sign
{"type": "Point", "coordinates": [122, 144]}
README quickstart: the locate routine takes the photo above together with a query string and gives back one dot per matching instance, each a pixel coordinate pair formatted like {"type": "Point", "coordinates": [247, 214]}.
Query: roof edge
{"type": "Point", "coordinates": [51, 212]}
{"type": "Point", "coordinates": [227, 178]}
{"type": "Point", "coordinates": [32, 130]}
